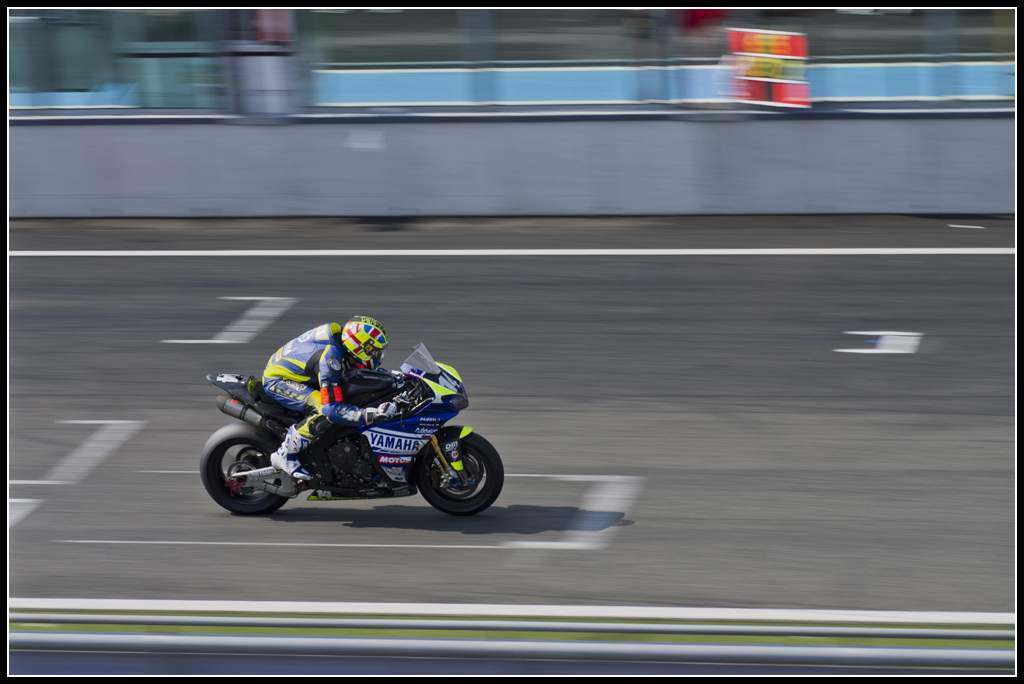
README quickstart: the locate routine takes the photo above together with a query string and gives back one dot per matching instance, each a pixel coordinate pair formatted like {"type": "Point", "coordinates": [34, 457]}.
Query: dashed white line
{"type": "Point", "coordinates": [794, 251]}
{"type": "Point", "coordinates": [591, 529]}
{"type": "Point", "coordinates": [251, 323]}
{"type": "Point", "coordinates": [289, 544]}
{"type": "Point", "coordinates": [18, 509]}
{"type": "Point", "coordinates": [594, 525]}
{"type": "Point", "coordinates": [90, 453]}
{"type": "Point", "coordinates": [953, 225]}
{"type": "Point", "coordinates": [170, 472]}
{"type": "Point", "coordinates": [889, 342]}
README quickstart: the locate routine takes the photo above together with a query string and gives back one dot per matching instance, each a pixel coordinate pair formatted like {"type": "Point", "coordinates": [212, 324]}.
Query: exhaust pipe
{"type": "Point", "coordinates": [237, 409]}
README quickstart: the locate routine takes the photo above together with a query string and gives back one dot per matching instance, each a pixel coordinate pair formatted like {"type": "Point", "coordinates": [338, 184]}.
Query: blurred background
{"type": "Point", "coordinates": [218, 59]}
{"type": "Point", "coordinates": [588, 112]}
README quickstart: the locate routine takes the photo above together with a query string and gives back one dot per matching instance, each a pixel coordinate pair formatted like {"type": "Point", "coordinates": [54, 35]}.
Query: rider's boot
{"type": "Point", "coordinates": [285, 459]}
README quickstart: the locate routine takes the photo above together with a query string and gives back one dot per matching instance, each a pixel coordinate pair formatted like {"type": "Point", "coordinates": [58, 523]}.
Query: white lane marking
{"type": "Point", "coordinates": [590, 530]}
{"type": "Point", "coordinates": [170, 472]}
{"type": "Point", "coordinates": [18, 509]}
{"type": "Point", "coordinates": [889, 342]}
{"type": "Point", "coordinates": [953, 225]}
{"type": "Point", "coordinates": [300, 544]}
{"type": "Point", "coordinates": [488, 610]}
{"type": "Point", "coordinates": [836, 251]}
{"type": "Point", "coordinates": [251, 323]}
{"type": "Point", "coordinates": [90, 453]}
{"type": "Point", "coordinates": [40, 482]}
{"type": "Point", "coordinates": [594, 525]}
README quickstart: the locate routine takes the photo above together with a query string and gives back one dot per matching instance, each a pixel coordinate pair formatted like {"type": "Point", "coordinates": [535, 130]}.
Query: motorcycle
{"type": "Point", "coordinates": [455, 469]}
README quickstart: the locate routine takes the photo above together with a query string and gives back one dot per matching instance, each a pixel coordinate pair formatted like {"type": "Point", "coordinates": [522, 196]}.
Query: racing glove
{"type": "Point", "coordinates": [385, 411]}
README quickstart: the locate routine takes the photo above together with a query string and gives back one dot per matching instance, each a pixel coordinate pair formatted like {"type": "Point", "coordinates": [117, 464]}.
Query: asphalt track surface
{"type": "Point", "coordinates": [775, 471]}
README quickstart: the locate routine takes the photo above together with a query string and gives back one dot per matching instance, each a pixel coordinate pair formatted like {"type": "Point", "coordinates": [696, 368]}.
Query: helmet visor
{"type": "Point", "coordinates": [376, 354]}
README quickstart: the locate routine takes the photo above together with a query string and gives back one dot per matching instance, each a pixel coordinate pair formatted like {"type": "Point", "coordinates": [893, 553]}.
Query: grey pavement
{"type": "Point", "coordinates": [776, 472]}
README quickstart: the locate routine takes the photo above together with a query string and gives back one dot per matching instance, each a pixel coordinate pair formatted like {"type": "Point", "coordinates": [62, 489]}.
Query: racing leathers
{"type": "Point", "coordinates": [308, 374]}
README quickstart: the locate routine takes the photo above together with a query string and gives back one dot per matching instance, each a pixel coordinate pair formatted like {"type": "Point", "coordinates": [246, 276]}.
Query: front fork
{"type": "Point", "coordinates": [452, 473]}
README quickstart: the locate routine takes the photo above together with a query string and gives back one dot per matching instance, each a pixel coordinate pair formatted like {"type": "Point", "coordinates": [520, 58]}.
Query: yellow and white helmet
{"type": "Point", "coordinates": [365, 339]}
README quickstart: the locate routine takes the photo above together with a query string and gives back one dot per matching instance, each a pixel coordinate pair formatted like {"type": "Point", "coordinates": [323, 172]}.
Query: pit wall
{"type": "Point", "coordinates": [508, 167]}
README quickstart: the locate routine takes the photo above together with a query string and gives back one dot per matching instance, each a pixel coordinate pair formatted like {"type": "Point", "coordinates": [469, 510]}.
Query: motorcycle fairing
{"type": "Point", "coordinates": [395, 444]}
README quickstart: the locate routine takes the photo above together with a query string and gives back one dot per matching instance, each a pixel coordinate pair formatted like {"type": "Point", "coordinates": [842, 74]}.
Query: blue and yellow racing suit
{"type": "Point", "coordinates": [306, 374]}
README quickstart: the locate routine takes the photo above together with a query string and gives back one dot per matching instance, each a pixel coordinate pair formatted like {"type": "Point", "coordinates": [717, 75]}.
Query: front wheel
{"type": "Point", "coordinates": [241, 449]}
{"type": "Point", "coordinates": [483, 469]}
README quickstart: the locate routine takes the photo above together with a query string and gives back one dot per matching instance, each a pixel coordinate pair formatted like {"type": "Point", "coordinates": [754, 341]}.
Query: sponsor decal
{"type": "Point", "coordinates": [397, 474]}
{"type": "Point", "coordinates": [430, 420]}
{"type": "Point", "coordinates": [451, 446]}
{"type": "Point", "coordinates": [428, 430]}
{"type": "Point", "coordinates": [397, 460]}
{"type": "Point", "coordinates": [402, 491]}
{"type": "Point", "coordinates": [322, 333]}
{"type": "Point", "coordinates": [390, 444]}
{"type": "Point", "coordinates": [305, 336]}
{"type": "Point", "coordinates": [229, 378]}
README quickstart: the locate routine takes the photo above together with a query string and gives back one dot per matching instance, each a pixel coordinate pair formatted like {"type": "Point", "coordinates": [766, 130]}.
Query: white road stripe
{"type": "Point", "coordinates": [809, 251]}
{"type": "Point", "coordinates": [594, 525]}
{"type": "Point", "coordinates": [953, 225]}
{"type": "Point", "coordinates": [17, 509]}
{"type": "Point", "coordinates": [297, 544]}
{"type": "Point", "coordinates": [526, 610]}
{"type": "Point", "coordinates": [90, 453]}
{"type": "Point", "coordinates": [170, 472]}
{"type": "Point", "coordinates": [250, 324]}
{"type": "Point", "coordinates": [889, 342]}
{"type": "Point", "coordinates": [590, 530]}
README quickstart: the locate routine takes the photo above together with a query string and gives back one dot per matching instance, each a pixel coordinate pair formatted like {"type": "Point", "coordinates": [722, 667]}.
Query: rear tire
{"type": "Point", "coordinates": [238, 454]}
{"type": "Point", "coordinates": [482, 466]}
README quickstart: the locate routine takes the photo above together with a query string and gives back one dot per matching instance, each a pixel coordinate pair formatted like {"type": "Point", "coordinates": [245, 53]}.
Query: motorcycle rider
{"type": "Point", "coordinates": [310, 372]}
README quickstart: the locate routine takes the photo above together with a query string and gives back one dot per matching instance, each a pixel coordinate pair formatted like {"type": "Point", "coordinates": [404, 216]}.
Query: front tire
{"type": "Point", "coordinates": [482, 466]}
{"type": "Point", "coordinates": [240, 450]}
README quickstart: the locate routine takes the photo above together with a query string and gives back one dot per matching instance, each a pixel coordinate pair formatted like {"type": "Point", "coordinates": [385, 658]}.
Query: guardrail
{"type": "Point", "coordinates": [998, 654]}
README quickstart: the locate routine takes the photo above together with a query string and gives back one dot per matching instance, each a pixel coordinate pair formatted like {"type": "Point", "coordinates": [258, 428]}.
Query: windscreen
{"type": "Point", "coordinates": [421, 362]}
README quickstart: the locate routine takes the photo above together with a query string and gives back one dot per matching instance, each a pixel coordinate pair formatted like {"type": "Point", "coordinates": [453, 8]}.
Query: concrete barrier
{"type": "Point", "coordinates": [885, 164]}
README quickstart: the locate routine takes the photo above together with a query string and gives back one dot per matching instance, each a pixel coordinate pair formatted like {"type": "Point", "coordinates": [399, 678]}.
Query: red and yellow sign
{"type": "Point", "coordinates": [770, 67]}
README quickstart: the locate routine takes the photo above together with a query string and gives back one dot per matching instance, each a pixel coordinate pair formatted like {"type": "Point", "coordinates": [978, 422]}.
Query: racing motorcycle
{"type": "Point", "coordinates": [455, 469]}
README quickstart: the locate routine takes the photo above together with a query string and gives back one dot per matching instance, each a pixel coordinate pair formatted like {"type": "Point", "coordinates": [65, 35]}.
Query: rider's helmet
{"type": "Point", "coordinates": [365, 339]}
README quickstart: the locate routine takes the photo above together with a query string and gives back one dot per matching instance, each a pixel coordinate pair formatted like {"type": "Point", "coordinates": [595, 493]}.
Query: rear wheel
{"type": "Point", "coordinates": [234, 456]}
{"type": "Point", "coordinates": [483, 469]}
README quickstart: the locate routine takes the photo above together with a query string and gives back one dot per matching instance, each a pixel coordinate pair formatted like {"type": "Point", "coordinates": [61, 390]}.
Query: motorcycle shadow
{"type": "Point", "coordinates": [515, 519]}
